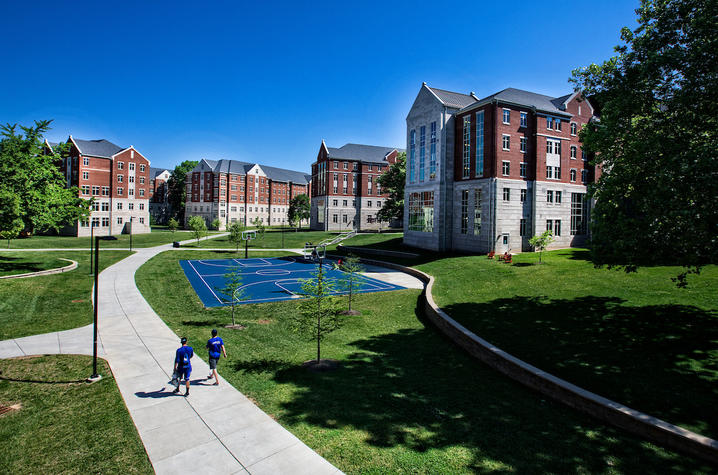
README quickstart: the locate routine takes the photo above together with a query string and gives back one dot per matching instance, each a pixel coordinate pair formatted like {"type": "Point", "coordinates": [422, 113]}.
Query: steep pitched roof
{"type": "Point", "coordinates": [456, 100]}
{"type": "Point", "coordinates": [551, 105]}
{"type": "Point", "coordinates": [232, 166]}
{"type": "Point", "coordinates": [364, 153]}
{"type": "Point", "coordinates": [242, 168]}
{"type": "Point", "coordinates": [284, 175]}
{"type": "Point", "coordinates": [97, 148]}
{"type": "Point", "coordinates": [157, 171]}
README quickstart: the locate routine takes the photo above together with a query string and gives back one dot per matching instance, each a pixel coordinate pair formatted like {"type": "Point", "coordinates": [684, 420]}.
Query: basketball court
{"type": "Point", "coordinates": [267, 279]}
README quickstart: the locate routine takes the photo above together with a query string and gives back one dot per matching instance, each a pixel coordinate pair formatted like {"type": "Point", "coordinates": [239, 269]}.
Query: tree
{"type": "Point", "coordinates": [257, 223]}
{"type": "Point", "coordinates": [216, 224]}
{"type": "Point", "coordinates": [177, 187]}
{"type": "Point", "coordinates": [541, 242]}
{"type": "Point", "coordinates": [32, 187]}
{"type": "Point", "coordinates": [318, 313]}
{"type": "Point", "coordinates": [352, 280]}
{"type": "Point", "coordinates": [392, 181]}
{"type": "Point", "coordinates": [233, 289]}
{"type": "Point", "coordinates": [172, 224]}
{"type": "Point", "coordinates": [198, 227]}
{"type": "Point", "coordinates": [235, 234]}
{"type": "Point", "coordinates": [299, 209]}
{"type": "Point", "coordinates": [657, 139]}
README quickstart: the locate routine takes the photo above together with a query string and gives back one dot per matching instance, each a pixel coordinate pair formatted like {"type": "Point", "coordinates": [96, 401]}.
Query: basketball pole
{"type": "Point", "coordinates": [246, 248]}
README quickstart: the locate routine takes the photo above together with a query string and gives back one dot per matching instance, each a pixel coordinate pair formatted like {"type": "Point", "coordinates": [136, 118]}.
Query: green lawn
{"type": "Point", "coordinates": [272, 240]}
{"type": "Point", "coordinates": [65, 425]}
{"type": "Point", "coordinates": [632, 337]}
{"type": "Point", "coordinates": [405, 400]}
{"type": "Point", "coordinates": [385, 241]}
{"type": "Point", "coordinates": [52, 302]}
{"type": "Point", "coordinates": [155, 238]}
{"type": "Point", "coordinates": [13, 263]}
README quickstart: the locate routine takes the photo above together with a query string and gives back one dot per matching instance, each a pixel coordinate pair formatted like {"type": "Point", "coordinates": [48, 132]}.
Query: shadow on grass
{"type": "Point", "coordinates": [202, 323]}
{"type": "Point", "coordinates": [7, 265]}
{"type": "Point", "coordinates": [659, 359]}
{"type": "Point", "coordinates": [38, 381]}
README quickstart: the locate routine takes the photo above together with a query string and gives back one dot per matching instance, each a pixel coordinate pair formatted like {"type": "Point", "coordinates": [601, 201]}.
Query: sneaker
{"type": "Point", "coordinates": [210, 376]}
{"type": "Point", "coordinates": [215, 384]}
{"type": "Point", "coordinates": [176, 391]}
{"type": "Point", "coordinates": [186, 394]}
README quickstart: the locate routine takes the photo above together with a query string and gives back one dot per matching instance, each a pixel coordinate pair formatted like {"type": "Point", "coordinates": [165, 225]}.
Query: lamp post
{"type": "Point", "coordinates": [92, 239]}
{"type": "Point", "coordinates": [131, 233]}
{"type": "Point", "coordinates": [95, 376]}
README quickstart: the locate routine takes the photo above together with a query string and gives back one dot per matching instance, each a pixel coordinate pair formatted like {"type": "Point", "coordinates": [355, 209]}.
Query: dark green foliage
{"type": "Point", "coordinates": [177, 188]}
{"type": "Point", "coordinates": [299, 210]}
{"type": "Point", "coordinates": [392, 182]}
{"type": "Point", "coordinates": [198, 227]}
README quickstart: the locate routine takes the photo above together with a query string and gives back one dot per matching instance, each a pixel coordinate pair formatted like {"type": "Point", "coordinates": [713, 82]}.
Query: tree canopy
{"type": "Point", "coordinates": [392, 182]}
{"type": "Point", "coordinates": [299, 209]}
{"type": "Point", "coordinates": [657, 139]}
{"type": "Point", "coordinates": [177, 187]}
{"type": "Point", "coordinates": [33, 192]}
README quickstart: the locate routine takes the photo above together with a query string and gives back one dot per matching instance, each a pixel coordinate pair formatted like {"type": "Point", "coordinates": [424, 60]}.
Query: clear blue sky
{"type": "Point", "coordinates": [267, 81]}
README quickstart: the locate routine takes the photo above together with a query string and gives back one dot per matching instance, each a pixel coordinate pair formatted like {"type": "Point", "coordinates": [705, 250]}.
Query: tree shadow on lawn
{"type": "Point", "coordinates": [7, 265]}
{"type": "Point", "coordinates": [659, 359]}
{"type": "Point", "coordinates": [413, 389]}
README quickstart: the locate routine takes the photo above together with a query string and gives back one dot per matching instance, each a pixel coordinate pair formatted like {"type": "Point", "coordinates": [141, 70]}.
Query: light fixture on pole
{"type": "Point", "coordinates": [95, 375]}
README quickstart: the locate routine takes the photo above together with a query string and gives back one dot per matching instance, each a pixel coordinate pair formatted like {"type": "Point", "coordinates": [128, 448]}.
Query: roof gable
{"type": "Point", "coordinates": [96, 148]}
{"type": "Point", "coordinates": [364, 153]}
{"type": "Point", "coordinates": [452, 99]}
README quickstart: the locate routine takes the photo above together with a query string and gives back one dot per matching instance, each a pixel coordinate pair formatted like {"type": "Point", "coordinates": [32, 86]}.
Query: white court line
{"type": "Point", "coordinates": [205, 283]}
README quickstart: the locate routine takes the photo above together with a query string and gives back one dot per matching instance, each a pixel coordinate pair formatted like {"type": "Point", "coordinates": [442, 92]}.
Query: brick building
{"type": "Point", "coordinates": [160, 208]}
{"type": "Point", "coordinates": [345, 192]}
{"type": "Point", "coordinates": [234, 191]}
{"type": "Point", "coordinates": [118, 180]}
{"type": "Point", "coordinates": [488, 174]}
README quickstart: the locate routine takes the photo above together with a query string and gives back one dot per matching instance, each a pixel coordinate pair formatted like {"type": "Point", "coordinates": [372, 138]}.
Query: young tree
{"type": "Point", "coordinates": [392, 182]}
{"type": "Point", "coordinates": [177, 189]}
{"type": "Point", "coordinates": [257, 223]}
{"type": "Point", "coordinates": [216, 224]}
{"type": "Point", "coordinates": [233, 289]}
{"type": "Point", "coordinates": [198, 227]}
{"type": "Point", "coordinates": [299, 209]}
{"type": "Point", "coordinates": [541, 241]}
{"type": "Point", "coordinates": [352, 280]}
{"type": "Point", "coordinates": [235, 234]}
{"type": "Point", "coordinates": [35, 181]}
{"type": "Point", "coordinates": [657, 139]}
{"type": "Point", "coordinates": [172, 224]}
{"type": "Point", "coordinates": [318, 313]}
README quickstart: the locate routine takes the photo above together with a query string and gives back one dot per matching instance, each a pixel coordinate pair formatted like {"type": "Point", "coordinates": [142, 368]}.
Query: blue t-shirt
{"type": "Point", "coordinates": [215, 347]}
{"type": "Point", "coordinates": [182, 357]}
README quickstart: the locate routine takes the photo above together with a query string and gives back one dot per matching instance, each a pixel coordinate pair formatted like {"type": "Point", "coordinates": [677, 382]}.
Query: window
{"type": "Point", "coordinates": [85, 175]}
{"type": "Point", "coordinates": [85, 161]}
{"type": "Point", "coordinates": [584, 176]}
{"type": "Point", "coordinates": [142, 220]}
{"type": "Point", "coordinates": [335, 203]}
{"type": "Point", "coordinates": [344, 203]}
{"type": "Point", "coordinates": [553, 147]}
{"type": "Point", "coordinates": [573, 174]}
{"type": "Point", "coordinates": [345, 165]}
{"type": "Point", "coordinates": [120, 165]}
{"type": "Point", "coordinates": [477, 212]}
{"type": "Point", "coordinates": [335, 218]}
{"type": "Point", "coordinates": [432, 152]}
{"type": "Point", "coordinates": [480, 143]}
{"type": "Point", "coordinates": [421, 211]}
{"type": "Point", "coordinates": [105, 221]}
{"type": "Point", "coordinates": [464, 211]}
{"type": "Point", "coordinates": [132, 166]}
{"type": "Point", "coordinates": [524, 119]}
{"type": "Point", "coordinates": [130, 206]}
{"type": "Point", "coordinates": [336, 165]}
{"type": "Point", "coordinates": [422, 152]}
{"type": "Point", "coordinates": [120, 178]}
{"type": "Point", "coordinates": [557, 196]}
{"type": "Point", "coordinates": [142, 206]}
{"type": "Point", "coordinates": [95, 206]}
{"type": "Point", "coordinates": [368, 204]}
{"type": "Point", "coordinates": [507, 194]}
{"type": "Point", "coordinates": [557, 227]}
{"type": "Point", "coordinates": [522, 169]}
{"type": "Point", "coordinates": [506, 142]}
{"type": "Point", "coordinates": [96, 222]}
{"type": "Point", "coordinates": [522, 227]}
{"type": "Point", "coordinates": [345, 218]}
{"type": "Point", "coordinates": [549, 225]}
{"type": "Point", "coordinates": [356, 165]}
{"type": "Point", "coordinates": [523, 195]}
{"type": "Point", "coordinates": [142, 167]}
{"type": "Point", "coordinates": [119, 220]}
{"type": "Point", "coordinates": [584, 157]}
{"type": "Point", "coordinates": [522, 144]}
{"type": "Point", "coordinates": [131, 192]}
{"type": "Point", "coordinates": [507, 116]}
{"type": "Point", "coordinates": [370, 163]}
{"type": "Point", "coordinates": [336, 189]}
{"type": "Point", "coordinates": [573, 152]}
{"type": "Point", "coordinates": [131, 179]}
{"type": "Point", "coordinates": [233, 209]}
{"type": "Point", "coordinates": [85, 189]}
{"type": "Point", "coordinates": [119, 205]}
{"type": "Point", "coordinates": [505, 168]}
{"type": "Point", "coordinates": [579, 213]}
{"type": "Point", "coordinates": [573, 128]}
{"type": "Point", "coordinates": [142, 180]}
{"type": "Point", "coordinates": [549, 123]}
{"type": "Point", "coordinates": [95, 190]}
{"type": "Point", "coordinates": [142, 192]}
{"type": "Point", "coordinates": [549, 196]}
{"type": "Point", "coordinates": [105, 206]}
{"type": "Point", "coordinates": [412, 157]}
{"type": "Point", "coordinates": [553, 173]}
{"type": "Point", "coordinates": [120, 190]}
{"type": "Point", "coordinates": [105, 191]}
{"type": "Point", "coordinates": [557, 124]}
{"type": "Point", "coordinates": [467, 148]}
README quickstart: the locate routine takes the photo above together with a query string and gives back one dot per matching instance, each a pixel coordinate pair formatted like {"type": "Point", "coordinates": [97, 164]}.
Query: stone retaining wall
{"type": "Point", "coordinates": [58, 270]}
{"type": "Point", "coordinates": [643, 425]}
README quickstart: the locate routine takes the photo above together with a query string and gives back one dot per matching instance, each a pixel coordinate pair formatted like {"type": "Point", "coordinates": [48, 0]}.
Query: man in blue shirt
{"type": "Point", "coordinates": [215, 345]}
{"type": "Point", "coordinates": [183, 366]}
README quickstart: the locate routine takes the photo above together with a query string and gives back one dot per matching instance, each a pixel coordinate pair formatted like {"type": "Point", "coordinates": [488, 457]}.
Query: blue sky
{"type": "Point", "coordinates": [267, 81]}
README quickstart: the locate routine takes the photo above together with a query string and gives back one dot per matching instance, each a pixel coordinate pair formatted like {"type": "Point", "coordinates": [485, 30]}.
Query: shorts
{"type": "Point", "coordinates": [213, 362]}
{"type": "Point", "coordinates": [184, 373]}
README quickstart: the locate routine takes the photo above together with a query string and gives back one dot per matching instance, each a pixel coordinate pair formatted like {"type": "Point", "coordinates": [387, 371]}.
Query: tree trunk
{"type": "Point", "coordinates": [233, 311]}
{"type": "Point", "coordinates": [351, 287]}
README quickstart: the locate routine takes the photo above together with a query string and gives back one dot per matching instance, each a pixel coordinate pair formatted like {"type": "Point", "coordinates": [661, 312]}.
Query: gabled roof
{"type": "Point", "coordinates": [232, 166]}
{"type": "Point", "coordinates": [158, 171]}
{"type": "Point", "coordinates": [456, 100]}
{"type": "Point", "coordinates": [242, 168]}
{"type": "Point", "coordinates": [364, 153]}
{"type": "Point", "coordinates": [540, 102]}
{"type": "Point", "coordinates": [96, 148]}
{"type": "Point", "coordinates": [283, 175]}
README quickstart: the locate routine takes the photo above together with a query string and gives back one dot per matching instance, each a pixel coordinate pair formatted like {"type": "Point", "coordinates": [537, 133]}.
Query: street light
{"type": "Point", "coordinates": [92, 239]}
{"type": "Point", "coordinates": [131, 233]}
{"type": "Point", "coordinates": [95, 376]}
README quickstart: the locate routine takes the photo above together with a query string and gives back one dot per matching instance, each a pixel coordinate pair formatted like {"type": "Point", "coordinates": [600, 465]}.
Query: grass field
{"type": "Point", "coordinates": [272, 240]}
{"type": "Point", "coordinates": [13, 263]}
{"type": "Point", "coordinates": [52, 302]}
{"type": "Point", "coordinates": [405, 400]}
{"type": "Point", "coordinates": [635, 338]}
{"type": "Point", "coordinates": [65, 425]}
{"type": "Point", "coordinates": [155, 238]}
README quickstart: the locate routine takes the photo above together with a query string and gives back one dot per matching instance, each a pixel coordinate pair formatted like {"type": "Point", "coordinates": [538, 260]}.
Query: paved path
{"type": "Point", "coordinates": [214, 430]}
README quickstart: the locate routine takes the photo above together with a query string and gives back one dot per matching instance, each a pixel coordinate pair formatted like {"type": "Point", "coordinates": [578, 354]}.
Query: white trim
{"type": "Point", "coordinates": [553, 137]}
{"type": "Point", "coordinates": [504, 109]}
{"type": "Point", "coordinates": [502, 142]}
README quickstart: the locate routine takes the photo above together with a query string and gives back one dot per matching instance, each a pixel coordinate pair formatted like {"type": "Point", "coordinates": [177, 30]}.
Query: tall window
{"type": "Point", "coordinates": [412, 157]}
{"type": "Point", "coordinates": [557, 227]}
{"type": "Point", "coordinates": [506, 142]}
{"type": "Point", "coordinates": [524, 119]}
{"type": "Point", "coordinates": [549, 196]}
{"type": "Point", "coordinates": [421, 211]}
{"type": "Point", "coordinates": [432, 152]}
{"type": "Point", "coordinates": [480, 143]}
{"type": "Point", "coordinates": [464, 211]}
{"type": "Point", "coordinates": [523, 195]}
{"type": "Point", "coordinates": [557, 196]}
{"type": "Point", "coordinates": [477, 212]}
{"type": "Point", "coordinates": [573, 128]}
{"type": "Point", "coordinates": [505, 168]}
{"type": "Point", "coordinates": [579, 213]}
{"type": "Point", "coordinates": [466, 165]}
{"type": "Point", "coordinates": [507, 194]}
{"type": "Point", "coordinates": [549, 123]}
{"type": "Point", "coordinates": [549, 225]}
{"type": "Point", "coordinates": [524, 141]}
{"type": "Point", "coordinates": [522, 227]}
{"type": "Point", "coordinates": [573, 152]}
{"type": "Point", "coordinates": [584, 176]}
{"type": "Point", "coordinates": [507, 116]}
{"type": "Point", "coordinates": [422, 151]}
{"type": "Point", "coordinates": [522, 169]}
{"type": "Point", "coordinates": [573, 174]}
{"type": "Point", "coordinates": [557, 124]}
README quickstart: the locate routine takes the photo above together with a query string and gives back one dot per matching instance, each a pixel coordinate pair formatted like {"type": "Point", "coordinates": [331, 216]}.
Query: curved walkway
{"type": "Point", "coordinates": [214, 430]}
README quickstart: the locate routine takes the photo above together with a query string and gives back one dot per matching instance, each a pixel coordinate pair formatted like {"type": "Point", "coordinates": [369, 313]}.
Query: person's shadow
{"type": "Point", "coordinates": [154, 394]}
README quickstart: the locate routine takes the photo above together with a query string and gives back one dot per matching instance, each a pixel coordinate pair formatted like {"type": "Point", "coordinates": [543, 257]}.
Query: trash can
{"type": "Point", "coordinates": [175, 244]}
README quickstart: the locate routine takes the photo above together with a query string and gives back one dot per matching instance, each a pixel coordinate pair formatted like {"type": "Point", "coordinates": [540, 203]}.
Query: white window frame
{"type": "Point", "coordinates": [506, 142]}
{"type": "Point", "coordinates": [523, 144]}
{"type": "Point", "coordinates": [505, 168]}
{"type": "Point", "coordinates": [504, 113]}
{"type": "Point", "coordinates": [574, 128]}
{"type": "Point", "coordinates": [524, 119]}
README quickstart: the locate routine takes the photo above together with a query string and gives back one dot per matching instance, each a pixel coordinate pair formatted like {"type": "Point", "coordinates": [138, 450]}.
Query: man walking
{"type": "Point", "coordinates": [215, 345]}
{"type": "Point", "coordinates": [183, 367]}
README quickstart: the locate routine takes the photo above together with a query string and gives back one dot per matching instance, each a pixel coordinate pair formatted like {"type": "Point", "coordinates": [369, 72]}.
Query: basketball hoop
{"type": "Point", "coordinates": [249, 235]}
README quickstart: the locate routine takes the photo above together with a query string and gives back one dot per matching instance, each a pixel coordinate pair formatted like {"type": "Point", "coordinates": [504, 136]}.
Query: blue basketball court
{"type": "Point", "coordinates": [265, 279]}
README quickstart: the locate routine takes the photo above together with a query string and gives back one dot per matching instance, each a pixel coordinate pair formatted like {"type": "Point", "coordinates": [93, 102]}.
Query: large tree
{"type": "Point", "coordinates": [177, 189]}
{"type": "Point", "coordinates": [40, 199]}
{"type": "Point", "coordinates": [657, 139]}
{"type": "Point", "coordinates": [392, 182]}
{"type": "Point", "coordinates": [299, 209]}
